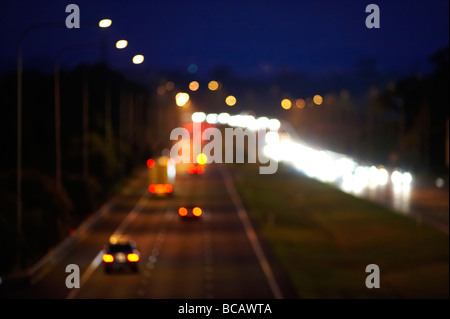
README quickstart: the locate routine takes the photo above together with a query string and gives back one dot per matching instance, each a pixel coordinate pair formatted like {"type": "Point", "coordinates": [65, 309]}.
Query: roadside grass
{"type": "Point", "coordinates": [325, 238]}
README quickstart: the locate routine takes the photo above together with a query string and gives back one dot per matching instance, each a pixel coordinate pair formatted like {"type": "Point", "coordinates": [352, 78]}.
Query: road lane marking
{"type": "Point", "coordinates": [98, 258]}
{"type": "Point", "coordinates": [153, 258]}
{"type": "Point", "coordinates": [251, 234]}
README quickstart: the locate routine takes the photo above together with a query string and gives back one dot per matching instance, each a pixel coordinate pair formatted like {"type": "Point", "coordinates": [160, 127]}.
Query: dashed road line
{"type": "Point", "coordinates": [98, 258]}
{"type": "Point", "coordinates": [155, 251]}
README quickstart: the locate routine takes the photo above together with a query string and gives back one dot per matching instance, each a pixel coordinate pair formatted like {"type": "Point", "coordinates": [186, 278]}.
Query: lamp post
{"type": "Point", "coordinates": [121, 44]}
{"type": "Point", "coordinates": [19, 163]}
{"type": "Point", "coordinates": [19, 201]}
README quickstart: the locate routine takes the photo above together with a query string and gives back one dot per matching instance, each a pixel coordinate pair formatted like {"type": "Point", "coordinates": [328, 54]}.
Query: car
{"type": "Point", "coordinates": [196, 169]}
{"type": "Point", "coordinates": [190, 212]}
{"type": "Point", "coordinates": [120, 252]}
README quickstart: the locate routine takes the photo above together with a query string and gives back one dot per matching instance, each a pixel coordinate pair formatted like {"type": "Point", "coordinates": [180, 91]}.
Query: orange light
{"type": "Point", "coordinates": [168, 188]}
{"type": "Point", "coordinates": [160, 188]}
{"type": "Point", "coordinates": [193, 86]}
{"type": "Point", "coordinates": [318, 99]}
{"type": "Point", "coordinates": [286, 104]}
{"type": "Point", "coordinates": [182, 211]}
{"type": "Point", "coordinates": [133, 257]}
{"type": "Point", "coordinates": [213, 85]}
{"type": "Point", "coordinates": [150, 163]}
{"type": "Point", "coordinates": [197, 211]}
{"type": "Point", "coordinates": [230, 100]}
{"type": "Point", "coordinates": [200, 169]}
{"type": "Point", "coordinates": [108, 258]}
{"type": "Point", "coordinates": [300, 103]}
{"type": "Point", "coordinates": [191, 169]}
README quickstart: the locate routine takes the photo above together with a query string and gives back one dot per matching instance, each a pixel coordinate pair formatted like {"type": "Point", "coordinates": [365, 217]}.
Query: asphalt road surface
{"type": "Point", "coordinates": [218, 256]}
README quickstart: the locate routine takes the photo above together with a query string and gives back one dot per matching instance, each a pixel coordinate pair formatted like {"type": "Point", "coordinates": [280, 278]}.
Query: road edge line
{"type": "Point", "coordinates": [129, 218]}
{"type": "Point", "coordinates": [250, 232]}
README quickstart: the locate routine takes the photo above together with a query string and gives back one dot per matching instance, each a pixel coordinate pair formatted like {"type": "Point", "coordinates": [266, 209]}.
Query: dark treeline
{"type": "Point", "coordinates": [108, 128]}
{"type": "Point", "coordinates": [402, 123]}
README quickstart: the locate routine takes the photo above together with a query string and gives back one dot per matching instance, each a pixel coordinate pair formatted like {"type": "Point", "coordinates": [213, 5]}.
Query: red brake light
{"type": "Point", "coordinates": [168, 188]}
{"type": "Point", "coordinates": [160, 188]}
{"type": "Point", "coordinates": [200, 169]}
{"type": "Point", "coordinates": [133, 257]}
{"type": "Point", "coordinates": [182, 211]}
{"type": "Point", "coordinates": [197, 211]}
{"type": "Point", "coordinates": [108, 258]}
{"type": "Point", "coordinates": [150, 163]}
{"type": "Point", "coordinates": [191, 169]}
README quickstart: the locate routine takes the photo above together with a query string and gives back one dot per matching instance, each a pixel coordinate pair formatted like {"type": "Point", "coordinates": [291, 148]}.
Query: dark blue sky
{"type": "Point", "coordinates": [253, 37]}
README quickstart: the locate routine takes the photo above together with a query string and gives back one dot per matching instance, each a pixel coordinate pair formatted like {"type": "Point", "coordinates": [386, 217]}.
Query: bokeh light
{"type": "Point", "coordinates": [193, 86]}
{"type": "Point", "coordinates": [318, 100]}
{"type": "Point", "coordinates": [286, 104]}
{"type": "Point", "coordinates": [213, 85]}
{"type": "Point", "coordinates": [230, 100]}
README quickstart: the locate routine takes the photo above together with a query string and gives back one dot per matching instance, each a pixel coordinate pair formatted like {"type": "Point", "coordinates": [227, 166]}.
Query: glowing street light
{"type": "Point", "coordinates": [286, 104]}
{"type": "Point", "coordinates": [213, 85]}
{"type": "Point", "coordinates": [193, 86]}
{"type": "Point", "coordinates": [230, 100]}
{"type": "Point", "coordinates": [318, 99]}
{"type": "Point", "coordinates": [181, 99]}
{"type": "Point", "coordinates": [105, 23]}
{"type": "Point", "coordinates": [300, 103]}
{"type": "Point", "coordinates": [121, 44]}
{"type": "Point", "coordinates": [138, 59]}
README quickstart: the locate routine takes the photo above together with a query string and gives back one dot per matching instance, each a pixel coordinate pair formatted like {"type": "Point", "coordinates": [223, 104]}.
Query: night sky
{"type": "Point", "coordinates": [252, 37]}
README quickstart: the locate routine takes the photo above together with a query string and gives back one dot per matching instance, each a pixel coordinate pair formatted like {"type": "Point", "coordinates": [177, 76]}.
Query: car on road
{"type": "Point", "coordinates": [120, 252]}
{"type": "Point", "coordinates": [190, 212]}
{"type": "Point", "coordinates": [196, 169]}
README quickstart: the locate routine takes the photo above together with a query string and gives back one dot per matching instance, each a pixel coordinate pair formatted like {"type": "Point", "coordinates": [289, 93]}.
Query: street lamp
{"type": "Point", "coordinates": [138, 59]}
{"type": "Point", "coordinates": [121, 44]}
{"type": "Point", "coordinates": [105, 23]}
{"type": "Point", "coordinates": [48, 25]}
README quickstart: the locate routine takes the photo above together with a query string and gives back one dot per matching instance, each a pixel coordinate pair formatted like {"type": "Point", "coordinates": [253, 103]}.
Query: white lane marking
{"type": "Point", "coordinates": [153, 258]}
{"type": "Point", "coordinates": [98, 258]}
{"type": "Point", "coordinates": [242, 213]}
{"type": "Point", "coordinates": [208, 262]}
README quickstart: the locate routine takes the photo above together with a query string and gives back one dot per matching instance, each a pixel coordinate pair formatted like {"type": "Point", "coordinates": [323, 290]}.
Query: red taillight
{"type": "Point", "coordinates": [151, 163]}
{"type": "Point", "coordinates": [160, 188]}
{"type": "Point", "coordinates": [108, 258]}
{"type": "Point", "coordinates": [191, 169]}
{"type": "Point", "coordinates": [200, 169]}
{"type": "Point", "coordinates": [133, 257]}
{"type": "Point", "coordinates": [168, 188]}
{"type": "Point", "coordinates": [182, 211]}
{"type": "Point", "coordinates": [197, 211]}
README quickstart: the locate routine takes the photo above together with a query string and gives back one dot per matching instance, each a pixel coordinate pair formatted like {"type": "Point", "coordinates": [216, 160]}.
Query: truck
{"type": "Point", "coordinates": [161, 176]}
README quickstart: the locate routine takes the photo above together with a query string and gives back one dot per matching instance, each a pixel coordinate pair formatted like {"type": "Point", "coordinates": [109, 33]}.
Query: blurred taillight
{"type": "Point", "coordinates": [182, 211]}
{"type": "Point", "coordinates": [197, 211]}
{"type": "Point", "coordinates": [168, 188]}
{"type": "Point", "coordinates": [151, 163]}
{"type": "Point", "coordinates": [133, 257]}
{"type": "Point", "coordinates": [200, 169]}
{"type": "Point", "coordinates": [108, 258]}
{"type": "Point", "coordinates": [191, 169]}
{"type": "Point", "coordinates": [160, 188]}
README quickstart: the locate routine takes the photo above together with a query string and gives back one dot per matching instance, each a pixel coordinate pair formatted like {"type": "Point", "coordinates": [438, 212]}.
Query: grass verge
{"type": "Point", "coordinates": [325, 238]}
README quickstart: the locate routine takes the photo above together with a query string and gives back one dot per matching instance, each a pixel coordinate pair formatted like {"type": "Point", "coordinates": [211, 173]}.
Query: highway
{"type": "Point", "coordinates": [218, 256]}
